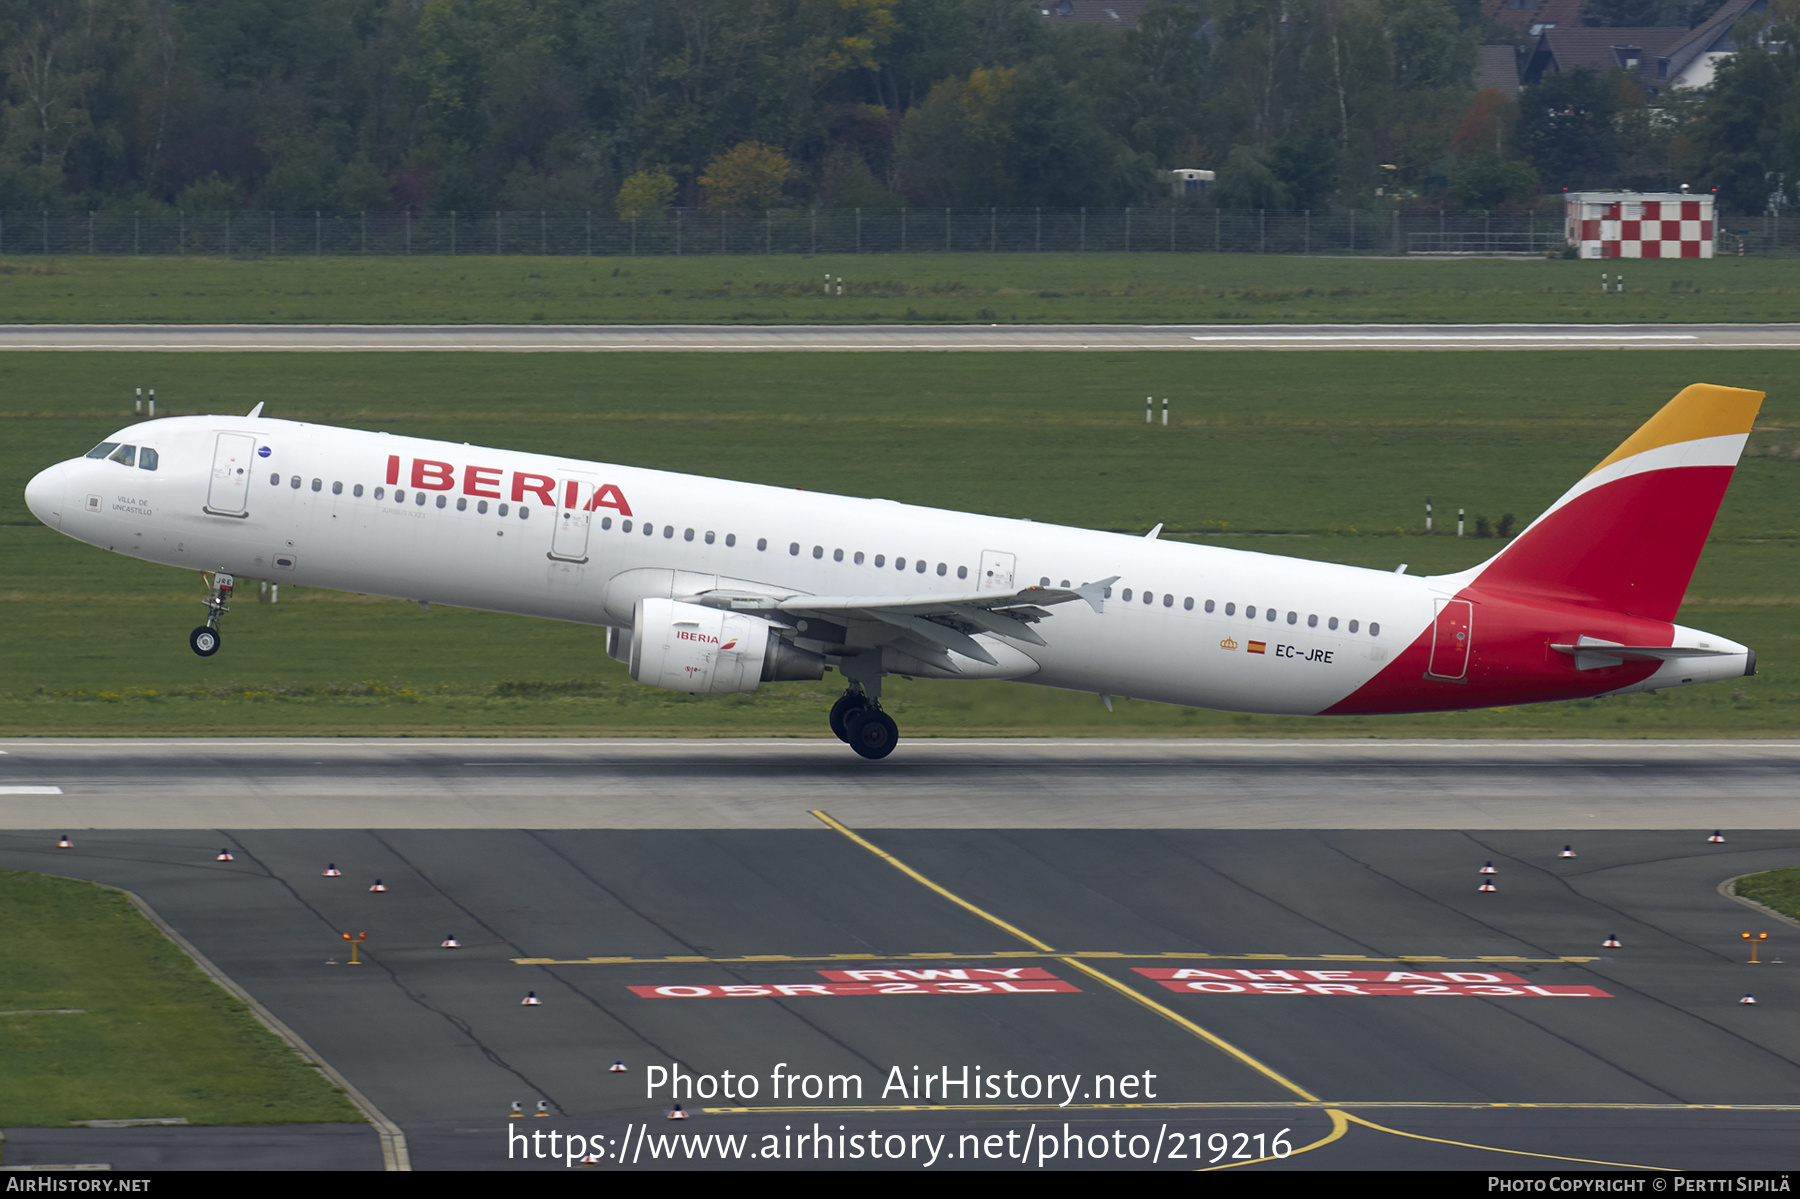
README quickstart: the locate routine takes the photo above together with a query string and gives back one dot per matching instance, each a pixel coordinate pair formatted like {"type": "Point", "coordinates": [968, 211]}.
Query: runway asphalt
{"type": "Point", "coordinates": [261, 783]}
{"type": "Point", "coordinates": [439, 1040]}
{"type": "Point", "coordinates": [743, 338]}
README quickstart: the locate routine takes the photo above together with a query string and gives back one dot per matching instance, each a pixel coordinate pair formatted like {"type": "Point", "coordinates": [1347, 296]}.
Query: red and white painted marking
{"type": "Point", "coordinates": [962, 980]}
{"type": "Point", "coordinates": [1482, 983]}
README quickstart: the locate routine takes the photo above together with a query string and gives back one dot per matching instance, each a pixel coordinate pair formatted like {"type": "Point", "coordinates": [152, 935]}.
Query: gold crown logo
{"type": "Point", "coordinates": [1228, 643]}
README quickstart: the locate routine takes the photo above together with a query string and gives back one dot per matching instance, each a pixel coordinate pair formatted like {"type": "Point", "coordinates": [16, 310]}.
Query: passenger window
{"type": "Point", "coordinates": [1107, 594]}
{"type": "Point", "coordinates": [524, 512]}
{"type": "Point", "coordinates": [919, 566]}
{"type": "Point", "coordinates": [295, 483]}
{"type": "Point", "coordinates": [624, 525]}
{"type": "Point", "coordinates": [481, 507]}
{"type": "Point", "coordinates": [1374, 629]}
{"type": "Point", "coordinates": [1353, 626]}
{"type": "Point", "coordinates": [1209, 605]}
{"type": "Point", "coordinates": [356, 491]}
{"type": "Point", "coordinates": [762, 543]}
{"type": "Point", "coordinates": [1126, 595]}
{"type": "Point", "coordinates": [881, 559]}
{"type": "Point", "coordinates": [689, 536]}
{"type": "Point", "coordinates": [1272, 613]}
{"type": "Point", "coordinates": [274, 479]}
{"type": "Point", "coordinates": [1044, 582]}
{"type": "Point", "coordinates": [441, 500]}
{"type": "Point", "coordinates": [668, 532]}
{"type": "Point", "coordinates": [1169, 601]}
{"type": "Point", "coordinates": [818, 552]}
{"type": "Point", "coordinates": [146, 459]}
{"type": "Point", "coordinates": [318, 485]}
{"type": "Point", "coordinates": [1332, 623]}
{"type": "Point", "coordinates": [337, 489]}
{"type": "Point", "coordinates": [1312, 622]}
{"type": "Point", "coordinates": [1293, 617]}
{"type": "Point", "coordinates": [858, 559]}
{"type": "Point", "coordinates": [943, 569]}
{"type": "Point", "coordinates": [103, 449]}
{"type": "Point", "coordinates": [837, 555]}
{"type": "Point", "coordinates": [419, 499]}
{"type": "Point", "coordinates": [730, 540]}
{"type": "Point", "coordinates": [125, 455]}
{"type": "Point", "coordinates": [962, 572]}
{"type": "Point", "coordinates": [1249, 611]}
{"type": "Point", "coordinates": [501, 510]}
{"type": "Point", "coordinates": [649, 529]}
{"type": "Point", "coordinates": [899, 563]}
{"type": "Point", "coordinates": [381, 493]}
{"type": "Point", "coordinates": [1230, 609]}
{"type": "Point", "coordinates": [709, 536]}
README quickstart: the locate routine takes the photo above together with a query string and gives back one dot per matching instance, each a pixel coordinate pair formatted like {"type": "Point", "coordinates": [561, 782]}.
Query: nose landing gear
{"type": "Point", "coordinates": [859, 722]}
{"type": "Point", "coordinates": [205, 639]}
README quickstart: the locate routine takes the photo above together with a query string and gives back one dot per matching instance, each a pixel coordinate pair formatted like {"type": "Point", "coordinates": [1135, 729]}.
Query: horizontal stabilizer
{"type": "Point", "coordinates": [1593, 653]}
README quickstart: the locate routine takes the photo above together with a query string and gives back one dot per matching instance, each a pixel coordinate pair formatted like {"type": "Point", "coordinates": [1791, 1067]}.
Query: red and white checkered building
{"type": "Point", "coordinates": [1639, 224]}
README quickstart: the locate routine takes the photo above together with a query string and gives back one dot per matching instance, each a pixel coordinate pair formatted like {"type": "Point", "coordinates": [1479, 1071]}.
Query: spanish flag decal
{"type": "Point", "coordinates": [1256, 647]}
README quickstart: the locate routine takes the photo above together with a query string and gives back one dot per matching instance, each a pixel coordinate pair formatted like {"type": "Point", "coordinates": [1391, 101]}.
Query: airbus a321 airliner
{"type": "Point", "coordinates": [709, 586]}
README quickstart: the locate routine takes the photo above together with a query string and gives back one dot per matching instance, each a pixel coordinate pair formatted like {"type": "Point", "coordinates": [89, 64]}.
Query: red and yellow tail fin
{"type": "Point", "coordinates": [1628, 535]}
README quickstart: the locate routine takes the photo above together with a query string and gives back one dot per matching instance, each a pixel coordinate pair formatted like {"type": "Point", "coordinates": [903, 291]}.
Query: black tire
{"type": "Point", "coordinates": [840, 714]}
{"type": "Point", "coordinates": [204, 641]}
{"type": "Point", "coordinates": [872, 733]}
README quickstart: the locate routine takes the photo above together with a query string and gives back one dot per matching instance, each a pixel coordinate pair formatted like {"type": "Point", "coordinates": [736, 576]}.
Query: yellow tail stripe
{"type": "Point", "coordinates": [1701, 410]}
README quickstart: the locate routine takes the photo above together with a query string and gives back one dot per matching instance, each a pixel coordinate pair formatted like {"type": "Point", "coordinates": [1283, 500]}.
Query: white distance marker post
{"type": "Point", "coordinates": [1149, 406]}
{"type": "Point", "coordinates": [1165, 412]}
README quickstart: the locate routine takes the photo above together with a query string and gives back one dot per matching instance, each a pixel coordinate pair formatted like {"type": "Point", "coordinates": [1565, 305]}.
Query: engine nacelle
{"type": "Point", "coordinates": [710, 651]}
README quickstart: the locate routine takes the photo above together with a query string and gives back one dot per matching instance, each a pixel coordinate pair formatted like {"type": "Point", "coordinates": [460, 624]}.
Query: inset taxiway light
{"type": "Point", "coordinates": [224, 856]}
{"type": "Point", "coordinates": [379, 886]}
{"type": "Point", "coordinates": [1718, 838]}
{"type": "Point", "coordinates": [1611, 942]}
{"type": "Point", "coordinates": [675, 1113]}
{"type": "Point", "coordinates": [531, 1000]}
{"type": "Point", "coordinates": [450, 942]}
{"type": "Point", "coordinates": [64, 843]}
{"type": "Point", "coordinates": [331, 870]}
{"type": "Point", "coordinates": [1568, 851]}
{"type": "Point", "coordinates": [1489, 869]}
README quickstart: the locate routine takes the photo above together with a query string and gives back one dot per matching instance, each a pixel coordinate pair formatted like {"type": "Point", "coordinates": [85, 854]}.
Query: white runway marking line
{"type": "Point", "coordinates": [1480, 338]}
{"type": "Point", "coordinates": [31, 790]}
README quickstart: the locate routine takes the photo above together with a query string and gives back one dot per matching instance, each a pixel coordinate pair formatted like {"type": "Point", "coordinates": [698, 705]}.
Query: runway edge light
{"type": "Point", "coordinates": [616, 1068]}
{"type": "Point", "coordinates": [1718, 838]}
{"type": "Point", "coordinates": [331, 870]}
{"type": "Point", "coordinates": [64, 843]}
{"type": "Point", "coordinates": [379, 886]}
{"type": "Point", "coordinates": [224, 856]}
{"type": "Point", "coordinates": [1611, 942]}
{"type": "Point", "coordinates": [1489, 869]}
{"type": "Point", "coordinates": [450, 942]}
{"type": "Point", "coordinates": [1568, 851]}
{"type": "Point", "coordinates": [531, 1000]}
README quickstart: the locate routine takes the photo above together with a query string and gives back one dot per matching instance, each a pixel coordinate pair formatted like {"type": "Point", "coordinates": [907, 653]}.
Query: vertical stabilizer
{"type": "Point", "coordinates": [1628, 535]}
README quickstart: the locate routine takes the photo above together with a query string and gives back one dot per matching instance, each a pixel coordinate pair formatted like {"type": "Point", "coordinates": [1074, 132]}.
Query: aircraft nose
{"type": "Point", "coordinates": [44, 495]}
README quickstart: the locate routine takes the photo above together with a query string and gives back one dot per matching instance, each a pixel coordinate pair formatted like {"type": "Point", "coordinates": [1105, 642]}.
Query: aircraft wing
{"type": "Point", "coordinates": [933, 623]}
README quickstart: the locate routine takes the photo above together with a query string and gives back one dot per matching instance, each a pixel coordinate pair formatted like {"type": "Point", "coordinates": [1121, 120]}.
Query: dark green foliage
{"type": "Point", "coordinates": [1566, 124]}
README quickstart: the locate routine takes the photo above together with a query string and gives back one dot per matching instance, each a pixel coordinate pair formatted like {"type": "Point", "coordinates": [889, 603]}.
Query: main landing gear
{"type": "Point", "coordinates": [860, 723]}
{"type": "Point", "coordinates": [205, 639]}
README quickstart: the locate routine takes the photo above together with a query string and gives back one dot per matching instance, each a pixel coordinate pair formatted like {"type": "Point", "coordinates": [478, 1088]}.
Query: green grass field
{"type": "Point", "coordinates": [1001, 288]}
{"type": "Point", "coordinates": [154, 1036]}
{"type": "Point", "coordinates": [1777, 889]}
{"type": "Point", "coordinates": [1326, 456]}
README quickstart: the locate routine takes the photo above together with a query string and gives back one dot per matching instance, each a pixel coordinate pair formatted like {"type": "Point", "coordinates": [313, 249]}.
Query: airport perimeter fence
{"type": "Point", "coordinates": [1180, 230]}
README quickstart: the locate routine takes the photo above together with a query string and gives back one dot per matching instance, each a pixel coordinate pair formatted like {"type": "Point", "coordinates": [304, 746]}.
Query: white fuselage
{"type": "Point", "coordinates": [582, 541]}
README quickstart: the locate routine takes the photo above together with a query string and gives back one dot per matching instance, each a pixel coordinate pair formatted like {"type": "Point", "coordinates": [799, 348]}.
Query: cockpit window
{"type": "Point", "coordinates": [146, 459]}
{"type": "Point", "coordinates": [103, 449]}
{"type": "Point", "coordinates": [125, 455]}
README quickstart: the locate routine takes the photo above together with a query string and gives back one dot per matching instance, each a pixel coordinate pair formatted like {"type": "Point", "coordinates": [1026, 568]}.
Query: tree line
{"type": "Point", "coordinates": [634, 106]}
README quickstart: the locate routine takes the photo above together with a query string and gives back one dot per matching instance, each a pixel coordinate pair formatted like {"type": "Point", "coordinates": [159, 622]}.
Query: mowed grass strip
{"type": "Point", "coordinates": [156, 1036]}
{"type": "Point", "coordinates": [1007, 288]}
{"type": "Point", "coordinates": [1324, 456]}
{"type": "Point", "coordinates": [1777, 889]}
